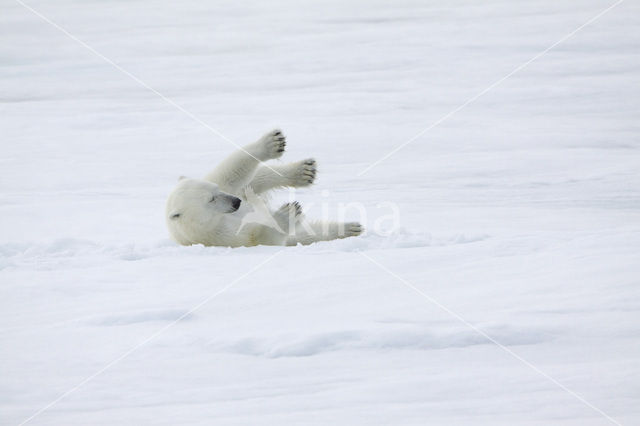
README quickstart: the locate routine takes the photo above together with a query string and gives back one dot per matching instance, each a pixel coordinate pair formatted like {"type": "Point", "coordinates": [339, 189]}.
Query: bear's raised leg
{"type": "Point", "coordinates": [299, 174]}
{"type": "Point", "coordinates": [237, 170]}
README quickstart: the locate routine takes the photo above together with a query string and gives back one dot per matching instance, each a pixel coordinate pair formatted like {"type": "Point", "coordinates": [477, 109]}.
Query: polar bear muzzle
{"type": "Point", "coordinates": [236, 204]}
{"type": "Point", "coordinates": [233, 202]}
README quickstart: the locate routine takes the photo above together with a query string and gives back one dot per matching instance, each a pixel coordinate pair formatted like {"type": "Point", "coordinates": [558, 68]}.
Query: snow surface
{"type": "Point", "coordinates": [520, 213]}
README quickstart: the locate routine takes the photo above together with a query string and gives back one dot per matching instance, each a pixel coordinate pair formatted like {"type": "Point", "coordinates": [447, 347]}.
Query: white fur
{"type": "Point", "coordinates": [205, 211]}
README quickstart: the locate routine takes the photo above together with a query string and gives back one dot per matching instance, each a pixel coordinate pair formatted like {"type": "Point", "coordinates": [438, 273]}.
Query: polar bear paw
{"type": "Point", "coordinates": [290, 209]}
{"type": "Point", "coordinates": [303, 173]}
{"type": "Point", "coordinates": [272, 145]}
{"type": "Point", "coordinates": [288, 215]}
{"type": "Point", "coordinates": [352, 229]}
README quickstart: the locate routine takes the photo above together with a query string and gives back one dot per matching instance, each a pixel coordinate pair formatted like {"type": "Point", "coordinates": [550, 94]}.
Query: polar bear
{"type": "Point", "coordinates": [224, 208]}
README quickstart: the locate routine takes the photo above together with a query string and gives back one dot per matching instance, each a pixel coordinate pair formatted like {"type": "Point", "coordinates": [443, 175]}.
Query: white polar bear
{"type": "Point", "coordinates": [223, 209]}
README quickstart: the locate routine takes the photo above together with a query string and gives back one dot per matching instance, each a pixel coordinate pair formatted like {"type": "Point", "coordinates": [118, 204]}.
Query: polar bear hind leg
{"type": "Point", "coordinates": [311, 232]}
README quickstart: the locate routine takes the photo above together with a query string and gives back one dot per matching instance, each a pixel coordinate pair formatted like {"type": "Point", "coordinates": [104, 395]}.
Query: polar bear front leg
{"type": "Point", "coordinates": [235, 172]}
{"type": "Point", "coordinates": [298, 174]}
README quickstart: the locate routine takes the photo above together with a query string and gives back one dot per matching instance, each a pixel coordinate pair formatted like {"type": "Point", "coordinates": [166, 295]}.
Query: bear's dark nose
{"type": "Point", "coordinates": [236, 203]}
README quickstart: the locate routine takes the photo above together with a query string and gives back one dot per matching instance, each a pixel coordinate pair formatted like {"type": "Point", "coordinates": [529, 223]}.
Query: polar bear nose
{"type": "Point", "coordinates": [236, 203]}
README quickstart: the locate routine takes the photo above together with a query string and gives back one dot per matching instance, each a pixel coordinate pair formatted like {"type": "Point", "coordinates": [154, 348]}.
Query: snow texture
{"type": "Point", "coordinates": [520, 213]}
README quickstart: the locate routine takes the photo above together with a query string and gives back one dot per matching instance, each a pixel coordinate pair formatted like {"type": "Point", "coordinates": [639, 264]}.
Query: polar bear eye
{"type": "Point", "coordinates": [212, 199]}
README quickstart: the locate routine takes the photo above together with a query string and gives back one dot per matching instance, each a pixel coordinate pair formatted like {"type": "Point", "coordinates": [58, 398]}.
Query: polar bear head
{"type": "Point", "coordinates": [194, 208]}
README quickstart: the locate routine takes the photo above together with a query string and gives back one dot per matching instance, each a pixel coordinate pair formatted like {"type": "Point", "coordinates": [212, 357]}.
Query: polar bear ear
{"type": "Point", "coordinates": [174, 216]}
{"type": "Point", "coordinates": [181, 178]}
